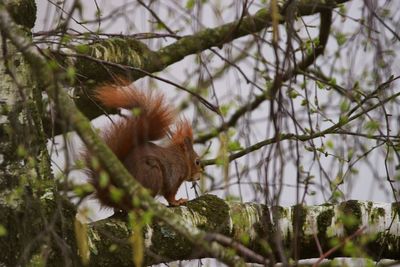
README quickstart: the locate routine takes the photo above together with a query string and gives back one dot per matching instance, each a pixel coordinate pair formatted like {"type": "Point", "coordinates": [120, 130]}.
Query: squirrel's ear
{"type": "Point", "coordinates": [187, 143]}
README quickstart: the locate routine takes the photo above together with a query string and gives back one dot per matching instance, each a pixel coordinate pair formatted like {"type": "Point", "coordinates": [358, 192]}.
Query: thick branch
{"type": "Point", "coordinates": [251, 222]}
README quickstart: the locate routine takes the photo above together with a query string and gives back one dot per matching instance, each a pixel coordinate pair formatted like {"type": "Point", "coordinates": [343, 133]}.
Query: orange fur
{"type": "Point", "coordinates": [183, 130]}
{"type": "Point", "coordinates": [154, 115]}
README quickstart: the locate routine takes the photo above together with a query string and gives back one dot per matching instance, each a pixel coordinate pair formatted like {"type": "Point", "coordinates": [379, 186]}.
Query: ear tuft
{"type": "Point", "coordinates": [183, 134]}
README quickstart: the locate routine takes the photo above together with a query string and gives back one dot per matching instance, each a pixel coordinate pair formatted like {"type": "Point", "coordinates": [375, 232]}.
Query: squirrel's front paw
{"type": "Point", "coordinates": [179, 202]}
{"type": "Point", "coordinates": [182, 201]}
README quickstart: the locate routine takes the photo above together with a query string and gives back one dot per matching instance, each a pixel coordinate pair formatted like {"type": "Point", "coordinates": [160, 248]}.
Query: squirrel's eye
{"type": "Point", "coordinates": [197, 161]}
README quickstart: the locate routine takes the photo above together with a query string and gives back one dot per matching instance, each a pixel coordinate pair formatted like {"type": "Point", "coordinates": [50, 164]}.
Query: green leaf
{"type": "Point", "coordinates": [224, 109]}
{"type": "Point", "coordinates": [220, 161]}
{"type": "Point", "coordinates": [82, 190]}
{"type": "Point", "coordinates": [308, 148]}
{"type": "Point", "coordinates": [292, 93]}
{"type": "Point", "coordinates": [103, 179]}
{"type": "Point", "coordinates": [343, 119]}
{"type": "Point", "coordinates": [113, 247]}
{"type": "Point", "coordinates": [234, 146]}
{"type": "Point", "coordinates": [21, 151]}
{"type": "Point", "coordinates": [94, 162]}
{"type": "Point", "coordinates": [342, 9]}
{"type": "Point", "coordinates": [245, 238]}
{"type": "Point", "coordinates": [83, 49]}
{"type": "Point", "coordinates": [341, 38]}
{"type": "Point", "coordinates": [98, 13]}
{"type": "Point", "coordinates": [344, 106]}
{"type": "Point", "coordinates": [71, 72]}
{"type": "Point", "coordinates": [337, 181]}
{"type": "Point", "coordinates": [349, 248]}
{"type": "Point", "coordinates": [66, 39]}
{"type": "Point", "coordinates": [80, 163]}
{"type": "Point", "coordinates": [386, 12]}
{"type": "Point", "coordinates": [320, 85]}
{"type": "Point", "coordinates": [190, 4]}
{"type": "Point", "coordinates": [316, 42]}
{"type": "Point", "coordinates": [147, 217]}
{"type": "Point", "coordinates": [160, 26]}
{"type": "Point", "coordinates": [350, 154]}
{"type": "Point", "coordinates": [116, 194]}
{"type": "Point", "coordinates": [3, 230]}
{"type": "Point", "coordinates": [329, 144]}
{"type": "Point", "coordinates": [372, 126]}
{"type": "Point", "coordinates": [53, 64]}
{"type": "Point", "coordinates": [136, 111]}
{"type": "Point", "coordinates": [337, 194]}
{"type": "Point", "coordinates": [354, 171]}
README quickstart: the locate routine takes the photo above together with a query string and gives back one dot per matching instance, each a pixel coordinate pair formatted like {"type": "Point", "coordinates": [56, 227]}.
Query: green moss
{"type": "Point", "coordinates": [299, 213]}
{"type": "Point", "coordinates": [369, 206]}
{"type": "Point", "coordinates": [376, 213]}
{"type": "Point", "coordinates": [351, 217]}
{"type": "Point", "coordinates": [166, 243]}
{"type": "Point", "coordinates": [243, 218]}
{"type": "Point", "coordinates": [381, 212]}
{"type": "Point", "coordinates": [305, 244]}
{"type": "Point", "coordinates": [215, 210]}
{"type": "Point", "coordinates": [123, 52]}
{"type": "Point", "coordinates": [23, 12]}
{"type": "Point", "coordinates": [282, 212]}
{"type": "Point", "coordinates": [324, 220]}
{"type": "Point", "coordinates": [115, 250]}
{"type": "Point", "coordinates": [24, 225]}
{"type": "Point", "coordinates": [385, 244]}
{"type": "Point", "coordinates": [396, 210]}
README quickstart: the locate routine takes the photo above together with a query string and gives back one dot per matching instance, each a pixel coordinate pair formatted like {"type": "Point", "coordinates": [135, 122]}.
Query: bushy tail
{"type": "Point", "coordinates": [150, 120]}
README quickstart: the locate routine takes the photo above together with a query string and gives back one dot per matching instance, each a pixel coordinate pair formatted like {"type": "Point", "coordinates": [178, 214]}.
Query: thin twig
{"type": "Point", "coordinates": [332, 250]}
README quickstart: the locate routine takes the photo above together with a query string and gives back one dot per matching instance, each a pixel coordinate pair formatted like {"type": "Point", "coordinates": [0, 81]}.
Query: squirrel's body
{"type": "Point", "coordinates": [161, 169]}
{"type": "Point", "coordinates": [151, 161]}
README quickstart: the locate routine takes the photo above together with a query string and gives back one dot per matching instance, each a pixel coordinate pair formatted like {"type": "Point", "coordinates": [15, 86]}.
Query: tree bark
{"type": "Point", "coordinates": [247, 223]}
{"type": "Point", "coordinates": [251, 224]}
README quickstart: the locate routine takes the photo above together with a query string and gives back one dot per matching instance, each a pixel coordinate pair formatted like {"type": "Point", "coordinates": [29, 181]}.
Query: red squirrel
{"type": "Point", "coordinates": [161, 169]}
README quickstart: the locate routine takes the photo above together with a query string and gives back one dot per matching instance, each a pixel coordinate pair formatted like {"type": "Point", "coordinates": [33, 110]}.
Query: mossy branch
{"type": "Point", "coordinates": [250, 223]}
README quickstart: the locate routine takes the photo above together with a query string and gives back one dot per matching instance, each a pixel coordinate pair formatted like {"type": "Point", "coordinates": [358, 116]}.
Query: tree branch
{"type": "Point", "coordinates": [251, 222]}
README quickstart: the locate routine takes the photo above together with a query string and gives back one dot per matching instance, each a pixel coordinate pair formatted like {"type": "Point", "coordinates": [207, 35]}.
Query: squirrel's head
{"type": "Point", "coordinates": [183, 137]}
{"type": "Point", "coordinates": [195, 168]}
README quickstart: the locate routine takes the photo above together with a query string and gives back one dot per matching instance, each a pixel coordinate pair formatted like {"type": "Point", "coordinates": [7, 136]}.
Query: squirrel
{"type": "Point", "coordinates": [160, 169]}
